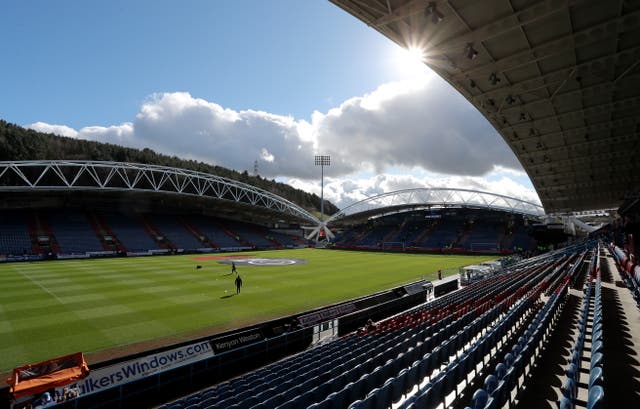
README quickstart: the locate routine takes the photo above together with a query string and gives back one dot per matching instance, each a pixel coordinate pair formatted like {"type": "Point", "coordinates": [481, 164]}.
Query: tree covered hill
{"type": "Point", "coordinates": [18, 143]}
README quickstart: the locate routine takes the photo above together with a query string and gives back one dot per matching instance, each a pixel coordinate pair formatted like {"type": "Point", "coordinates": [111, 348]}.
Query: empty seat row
{"type": "Point", "coordinates": [629, 271]}
{"type": "Point", "coordinates": [498, 387]}
{"type": "Point", "coordinates": [570, 386]}
{"type": "Point", "coordinates": [458, 370]}
{"type": "Point", "coordinates": [393, 360]}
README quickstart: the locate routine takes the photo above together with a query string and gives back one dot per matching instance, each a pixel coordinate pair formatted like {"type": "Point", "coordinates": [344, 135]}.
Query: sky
{"type": "Point", "coordinates": [231, 82]}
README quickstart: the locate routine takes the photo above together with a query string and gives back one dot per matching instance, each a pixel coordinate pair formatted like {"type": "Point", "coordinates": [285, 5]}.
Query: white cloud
{"type": "Point", "coordinates": [123, 134]}
{"type": "Point", "coordinates": [421, 126]}
{"type": "Point", "coordinates": [266, 155]}
{"type": "Point", "coordinates": [61, 130]}
{"type": "Point", "coordinates": [420, 123]}
{"type": "Point", "coordinates": [344, 192]}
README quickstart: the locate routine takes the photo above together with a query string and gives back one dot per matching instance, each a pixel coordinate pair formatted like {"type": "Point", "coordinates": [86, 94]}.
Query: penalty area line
{"type": "Point", "coordinates": [45, 289]}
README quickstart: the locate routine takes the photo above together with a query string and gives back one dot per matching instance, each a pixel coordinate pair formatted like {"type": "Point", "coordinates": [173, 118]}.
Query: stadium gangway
{"type": "Point", "coordinates": [629, 271]}
{"type": "Point", "coordinates": [411, 370]}
{"type": "Point", "coordinates": [595, 391]}
{"type": "Point", "coordinates": [498, 387]}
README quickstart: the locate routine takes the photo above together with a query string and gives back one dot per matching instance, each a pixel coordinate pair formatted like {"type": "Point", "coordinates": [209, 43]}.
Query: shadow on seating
{"type": "Point", "coordinates": [620, 366]}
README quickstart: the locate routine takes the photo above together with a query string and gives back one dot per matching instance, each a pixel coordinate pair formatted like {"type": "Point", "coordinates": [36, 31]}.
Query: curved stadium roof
{"type": "Point", "coordinates": [558, 79]}
{"type": "Point", "coordinates": [63, 175]}
{"type": "Point", "coordinates": [438, 197]}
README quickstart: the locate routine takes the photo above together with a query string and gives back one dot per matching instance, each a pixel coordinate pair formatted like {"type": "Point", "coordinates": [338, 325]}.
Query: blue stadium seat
{"type": "Point", "coordinates": [372, 401]}
{"type": "Point", "coordinates": [423, 399]}
{"type": "Point", "coordinates": [596, 359]}
{"type": "Point", "coordinates": [516, 350]}
{"type": "Point", "coordinates": [384, 394]}
{"type": "Point", "coordinates": [596, 397]}
{"type": "Point", "coordinates": [508, 360]}
{"type": "Point", "coordinates": [325, 404]}
{"type": "Point", "coordinates": [500, 394]}
{"type": "Point", "coordinates": [399, 386]}
{"type": "Point", "coordinates": [595, 377]}
{"type": "Point", "coordinates": [566, 403]}
{"type": "Point", "coordinates": [355, 405]}
{"type": "Point", "coordinates": [437, 387]}
{"type": "Point", "coordinates": [573, 371]}
{"type": "Point", "coordinates": [501, 371]}
{"type": "Point", "coordinates": [341, 399]}
{"type": "Point", "coordinates": [576, 357]}
{"type": "Point", "coordinates": [413, 377]}
{"type": "Point", "coordinates": [293, 404]}
{"type": "Point", "coordinates": [569, 388]}
{"type": "Point", "coordinates": [596, 347]}
{"type": "Point", "coordinates": [490, 384]}
{"type": "Point", "coordinates": [451, 379]}
{"type": "Point", "coordinates": [479, 399]}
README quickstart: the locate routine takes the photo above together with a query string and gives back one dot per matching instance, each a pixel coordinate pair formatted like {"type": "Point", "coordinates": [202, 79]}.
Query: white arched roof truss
{"type": "Point", "coordinates": [61, 175]}
{"type": "Point", "coordinates": [440, 197]}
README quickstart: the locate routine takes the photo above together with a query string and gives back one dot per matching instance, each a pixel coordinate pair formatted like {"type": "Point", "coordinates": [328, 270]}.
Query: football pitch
{"type": "Point", "coordinates": [106, 307]}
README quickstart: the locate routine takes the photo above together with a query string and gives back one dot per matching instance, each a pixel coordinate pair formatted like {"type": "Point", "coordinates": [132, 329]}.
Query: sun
{"type": "Point", "coordinates": [410, 62]}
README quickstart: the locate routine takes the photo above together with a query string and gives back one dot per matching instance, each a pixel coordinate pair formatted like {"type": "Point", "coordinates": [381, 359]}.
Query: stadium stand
{"type": "Point", "coordinates": [130, 232]}
{"type": "Point", "coordinates": [589, 339]}
{"type": "Point", "coordinates": [14, 234]}
{"type": "Point", "coordinates": [418, 358]}
{"type": "Point", "coordinates": [250, 234]}
{"type": "Point", "coordinates": [73, 232]}
{"type": "Point", "coordinates": [79, 232]}
{"type": "Point", "coordinates": [175, 231]}
{"type": "Point", "coordinates": [459, 230]}
{"type": "Point", "coordinates": [216, 234]}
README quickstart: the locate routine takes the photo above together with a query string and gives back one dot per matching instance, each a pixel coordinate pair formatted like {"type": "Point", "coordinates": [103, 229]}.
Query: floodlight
{"type": "Point", "coordinates": [433, 12]}
{"type": "Point", "coordinates": [493, 78]}
{"type": "Point", "coordinates": [471, 52]}
{"type": "Point", "coordinates": [322, 161]}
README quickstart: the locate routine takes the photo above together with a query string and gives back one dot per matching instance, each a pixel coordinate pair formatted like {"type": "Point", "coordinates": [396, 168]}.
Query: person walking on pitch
{"type": "Point", "coordinates": [238, 284]}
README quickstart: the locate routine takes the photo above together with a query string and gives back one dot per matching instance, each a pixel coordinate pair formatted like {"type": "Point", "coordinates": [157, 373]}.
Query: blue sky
{"type": "Point", "coordinates": [104, 58]}
{"type": "Point", "coordinates": [230, 82]}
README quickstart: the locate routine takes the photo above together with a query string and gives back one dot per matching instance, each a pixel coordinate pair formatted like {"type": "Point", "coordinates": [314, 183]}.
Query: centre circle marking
{"type": "Point", "coordinates": [263, 262]}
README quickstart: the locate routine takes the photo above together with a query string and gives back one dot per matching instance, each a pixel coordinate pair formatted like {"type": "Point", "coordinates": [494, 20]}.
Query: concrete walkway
{"type": "Point", "coordinates": [621, 321]}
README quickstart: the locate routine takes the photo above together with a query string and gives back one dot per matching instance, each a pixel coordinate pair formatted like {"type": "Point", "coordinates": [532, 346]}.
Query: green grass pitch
{"type": "Point", "coordinates": [48, 309]}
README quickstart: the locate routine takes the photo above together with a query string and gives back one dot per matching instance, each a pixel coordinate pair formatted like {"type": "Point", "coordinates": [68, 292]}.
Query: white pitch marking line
{"type": "Point", "coordinates": [45, 289]}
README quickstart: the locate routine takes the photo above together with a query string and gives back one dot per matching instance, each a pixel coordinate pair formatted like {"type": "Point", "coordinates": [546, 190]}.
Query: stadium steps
{"type": "Point", "coordinates": [154, 233]}
{"type": "Point", "coordinates": [201, 237]}
{"type": "Point", "coordinates": [621, 319]}
{"type": "Point", "coordinates": [264, 234]}
{"type": "Point", "coordinates": [73, 231]}
{"type": "Point", "coordinates": [106, 231]}
{"type": "Point", "coordinates": [32, 228]}
{"type": "Point", "coordinates": [426, 233]}
{"type": "Point", "coordinates": [99, 230]}
{"type": "Point", "coordinates": [543, 385]}
{"type": "Point", "coordinates": [393, 233]}
{"type": "Point", "coordinates": [227, 230]}
{"type": "Point", "coordinates": [43, 229]}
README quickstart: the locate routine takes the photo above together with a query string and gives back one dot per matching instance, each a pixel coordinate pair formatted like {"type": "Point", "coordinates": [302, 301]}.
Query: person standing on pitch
{"type": "Point", "coordinates": [233, 267]}
{"type": "Point", "coordinates": [238, 284]}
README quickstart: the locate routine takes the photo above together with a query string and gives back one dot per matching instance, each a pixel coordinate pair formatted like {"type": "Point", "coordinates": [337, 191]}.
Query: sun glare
{"type": "Point", "coordinates": [410, 62]}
